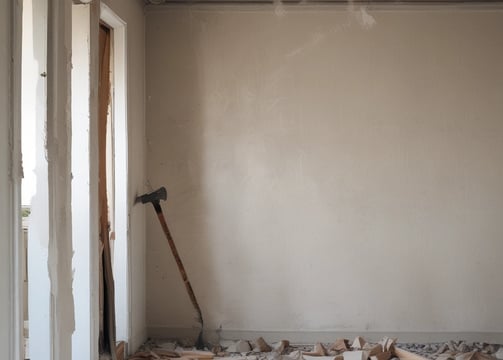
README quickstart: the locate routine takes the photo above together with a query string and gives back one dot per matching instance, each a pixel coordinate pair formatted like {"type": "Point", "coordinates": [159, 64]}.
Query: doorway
{"type": "Point", "coordinates": [114, 155]}
{"type": "Point", "coordinates": [85, 196]}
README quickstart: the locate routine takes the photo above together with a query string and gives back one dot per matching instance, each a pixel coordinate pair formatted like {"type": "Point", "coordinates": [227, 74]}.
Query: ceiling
{"type": "Point", "coordinates": [366, 2]}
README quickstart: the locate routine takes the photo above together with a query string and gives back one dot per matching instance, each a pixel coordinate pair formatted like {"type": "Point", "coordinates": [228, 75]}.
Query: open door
{"type": "Point", "coordinates": [107, 288]}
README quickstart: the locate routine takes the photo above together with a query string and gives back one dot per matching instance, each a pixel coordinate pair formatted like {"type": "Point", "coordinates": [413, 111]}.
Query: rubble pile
{"type": "Point", "coordinates": [340, 349]}
{"type": "Point", "coordinates": [456, 350]}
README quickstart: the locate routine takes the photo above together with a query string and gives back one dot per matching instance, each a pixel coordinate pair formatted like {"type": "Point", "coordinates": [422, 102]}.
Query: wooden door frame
{"type": "Point", "coordinates": [122, 251]}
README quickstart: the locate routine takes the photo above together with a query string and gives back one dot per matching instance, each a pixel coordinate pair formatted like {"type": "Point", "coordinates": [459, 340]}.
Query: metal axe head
{"type": "Point", "coordinates": [153, 197]}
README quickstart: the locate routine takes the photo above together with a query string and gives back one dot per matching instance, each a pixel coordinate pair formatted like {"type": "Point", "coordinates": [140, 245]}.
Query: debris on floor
{"type": "Point", "coordinates": [456, 350]}
{"type": "Point", "coordinates": [340, 349]}
{"type": "Point", "coordinates": [261, 346]}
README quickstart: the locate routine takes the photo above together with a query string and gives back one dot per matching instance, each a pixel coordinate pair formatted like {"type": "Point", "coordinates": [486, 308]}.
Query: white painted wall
{"type": "Point", "coordinates": [132, 14]}
{"type": "Point", "coordinates": [81, 184]}
{"type": "Point", "coordinates": [11, 315]}
{"type": "Point", "coordinates": [325, 172]}
{"type": "Point", "coordinates": [34, 117]}
{"type": "Point", "coordinates": [54, 182]}
{"type": "Point", "coordinates": [58, 153]}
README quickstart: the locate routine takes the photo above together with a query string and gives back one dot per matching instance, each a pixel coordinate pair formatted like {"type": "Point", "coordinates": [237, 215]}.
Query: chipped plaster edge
{"type": "Point", "coordinates": [59, 168]}
{"type": "Point", "coordinates": [16, 173]}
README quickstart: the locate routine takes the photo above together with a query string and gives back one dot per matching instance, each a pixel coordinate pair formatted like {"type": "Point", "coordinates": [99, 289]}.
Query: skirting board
{"type": "Point", "coordinates": [311, 337]}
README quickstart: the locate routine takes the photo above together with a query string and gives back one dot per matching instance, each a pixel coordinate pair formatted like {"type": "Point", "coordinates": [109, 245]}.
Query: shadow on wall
{"type": "Point", "coordinates": [175, 130]}
{"type": "Point", "coordinates": [209, 143]}
{"type": "Point", "coordinates": [287, 141]}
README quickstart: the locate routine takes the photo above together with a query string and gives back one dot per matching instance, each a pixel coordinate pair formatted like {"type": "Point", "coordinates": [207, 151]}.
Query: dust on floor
{"type": "Point", "coordinates": [341, 349]}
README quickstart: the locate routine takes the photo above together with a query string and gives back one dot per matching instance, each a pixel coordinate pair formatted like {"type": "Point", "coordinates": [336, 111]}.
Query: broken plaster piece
{"type": "Point", "coordinates": [226, 343]}
{"type": "Point", "coordinates": [340, 345]}
{"type": "Point", "coordinates": [446, 356]}
{"type": "Point", "coordinates": [281, 346]}
{"type": "Point", "coordinates": [466, 356]}
{"type": "Point", "coordinates": [355, 355]}
{"type": "Point", "coordinates": [358, 343]}
{"type": "Point", "coordinates": [451, 346]}
{"type": "Point", "coordinates": [240, 346]}
{"type": "Point", "coordinates": [462, 347]}
{"type": "Point", "coordinates": [443, 348]}
{"type": "Point", "coordinates": [319, 350]}
{"type": "Point", "coordinates": [483, 356]}
{"type": "Point", "coordinates": [261, 346]}
{"type": "Point", "coordinates": [373, 349]}
{"type": "Point", "coordinates": [387, 344]}
{"type": "Point", "coordinates": [309, 357]}
{"type": "Point", "coordinates": [381, 356]}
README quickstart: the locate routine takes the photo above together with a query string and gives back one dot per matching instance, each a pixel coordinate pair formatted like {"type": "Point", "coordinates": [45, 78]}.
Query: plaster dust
{"type": "Point", "coordinates": [324, 177]}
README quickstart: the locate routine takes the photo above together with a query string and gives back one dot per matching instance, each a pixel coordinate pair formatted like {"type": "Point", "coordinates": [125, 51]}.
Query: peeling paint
{"type": "Point", "coordinates": [365, 20]}
{"type": "Point", "coordinates": [59, 169]}
{"type": "Point", "coordinates": [279, 8]}
{"type": "Point", "coordinates": [362, 17]}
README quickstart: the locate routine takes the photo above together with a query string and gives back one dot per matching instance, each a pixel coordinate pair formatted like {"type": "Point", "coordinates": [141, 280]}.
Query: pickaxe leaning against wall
{"type": "Point", "coordinates": [155, 198]}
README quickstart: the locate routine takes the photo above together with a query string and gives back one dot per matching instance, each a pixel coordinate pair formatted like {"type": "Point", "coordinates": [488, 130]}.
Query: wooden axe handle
{"type": "Point", "coordinates": [181, 268]}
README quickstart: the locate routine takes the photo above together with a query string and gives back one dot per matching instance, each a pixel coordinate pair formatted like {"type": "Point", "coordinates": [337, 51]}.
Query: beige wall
{"type": "Point", "coordinates": [325, 172]}
{"type": "Point", "coordinates": [132, 13]}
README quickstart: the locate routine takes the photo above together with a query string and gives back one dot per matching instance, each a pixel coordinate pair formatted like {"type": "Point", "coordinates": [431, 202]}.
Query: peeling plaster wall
{"type": "Point", "coordinates": [35, 168]}
{"type": "Point", "coordinates": [5, 184]}
{"type": "Point", "coordinates": [58, 147]}
{"type": "Point", "coordinates": [82, 190]}
{"type": "Point", "coordinates": [132, 13]}
{"type": "Point", "coordinates": [327, 170]}
{"type": "Point", "coordinates": [10, 312]}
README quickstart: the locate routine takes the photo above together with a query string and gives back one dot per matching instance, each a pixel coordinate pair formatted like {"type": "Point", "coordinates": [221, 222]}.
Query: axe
{"type": "Point", "coordinates": [155, 198]}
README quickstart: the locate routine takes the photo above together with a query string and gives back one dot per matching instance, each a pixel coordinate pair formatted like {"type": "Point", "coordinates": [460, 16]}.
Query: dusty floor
{"type": "Point", "coordinates": [341, 349]}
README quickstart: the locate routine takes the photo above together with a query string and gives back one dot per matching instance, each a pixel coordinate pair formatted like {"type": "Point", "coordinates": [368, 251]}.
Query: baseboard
{"type": "Point", "coordinates": [311, 337]}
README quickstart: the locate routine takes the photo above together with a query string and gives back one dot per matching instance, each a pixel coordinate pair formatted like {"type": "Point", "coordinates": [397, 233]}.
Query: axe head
{"type": "Point", "coordinates": [153, 197]}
